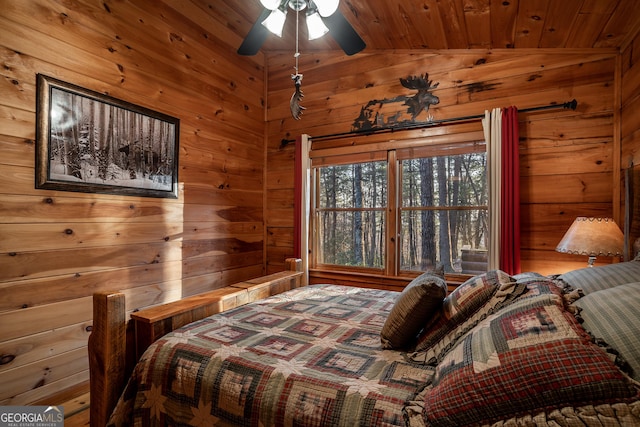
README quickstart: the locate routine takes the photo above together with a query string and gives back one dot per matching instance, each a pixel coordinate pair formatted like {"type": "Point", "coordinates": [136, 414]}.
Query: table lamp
{"type": "Point", "coordinates": [592, 237]}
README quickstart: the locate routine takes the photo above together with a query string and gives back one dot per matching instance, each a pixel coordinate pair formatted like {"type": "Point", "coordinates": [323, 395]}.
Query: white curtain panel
{"type": "Point", "coordinates": [305, 211]}
{"type": "Point", "coordinates": [492, 125]}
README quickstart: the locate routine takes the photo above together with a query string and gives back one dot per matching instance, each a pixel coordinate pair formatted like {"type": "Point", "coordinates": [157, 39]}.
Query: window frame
{"type": "Point", "coordinates": [314, 219]}
{"type": "Point", "coordinates": [464, 138]}
{"type": "Point", "coordinates": [400, 208]}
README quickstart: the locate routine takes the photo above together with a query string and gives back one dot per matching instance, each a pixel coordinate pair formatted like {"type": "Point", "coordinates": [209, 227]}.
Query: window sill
{"type": "Point", "coordinates": [373, 280]}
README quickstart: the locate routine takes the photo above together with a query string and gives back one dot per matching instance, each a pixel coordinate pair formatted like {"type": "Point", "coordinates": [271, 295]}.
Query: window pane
{"type": "Point", "coordinates": [350, 220]}
{"type": "Point", "coordinates": [360, 185]}
{"type": "Point", "coordinates": [458, 180]}
{"type": "Point", "coordinates": [444, 213]}
{"type": "Point", "coordinates": [351, 238]}
{"type": "Point", "coordinates": [456, 238]}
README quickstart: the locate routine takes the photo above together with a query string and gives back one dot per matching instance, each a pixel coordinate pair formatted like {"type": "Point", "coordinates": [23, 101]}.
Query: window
{"type": "Point", "coordinates": [443, 210]}
{"type": "Point", "coordinates": [351, 214]}
{"type": "Point", "coordinates": [410, 211]}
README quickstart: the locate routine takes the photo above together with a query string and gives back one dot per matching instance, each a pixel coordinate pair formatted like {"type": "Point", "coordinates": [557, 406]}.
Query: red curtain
{"type": "Point", "coordinates": [297, 201]}
{"type": "Point", "coordinates": [510, 208]}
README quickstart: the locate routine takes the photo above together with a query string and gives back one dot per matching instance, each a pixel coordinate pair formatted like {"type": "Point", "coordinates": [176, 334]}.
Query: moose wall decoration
{"type": "Point", "coordinates": [383, 113]}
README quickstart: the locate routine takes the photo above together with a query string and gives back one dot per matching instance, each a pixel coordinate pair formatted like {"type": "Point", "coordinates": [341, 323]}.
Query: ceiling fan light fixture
{"type": "Point", "coordinates": [272, 21]}
{"type": "Point", "coordinates": [270, 4]}
{"type": "Point", "coordinates": [315, 26]}
{"type": "Point", "coordinates": [275, 21]}
{"type": "Point", "coordinates": [297, 5]}
{"type": "Point", "coordinates": [326, 7]}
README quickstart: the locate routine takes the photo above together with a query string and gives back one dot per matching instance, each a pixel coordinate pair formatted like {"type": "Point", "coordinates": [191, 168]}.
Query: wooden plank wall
{"type": "Point", "coordinates": [566, 156]}
{"type": "Point", "coordinates": [57, 248]}
{"type": "Point", "coordinates": [630, 120]}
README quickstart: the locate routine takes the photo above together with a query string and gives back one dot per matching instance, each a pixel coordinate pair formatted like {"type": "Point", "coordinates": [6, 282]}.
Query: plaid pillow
{"type": "Point", "coordinates": [462, 309]}
{"type": "Point", "coordinates": [416, 304]}
{"type": "Point", "coordinates": [593, 279]}
{"type": "Point", "coordinates": [613, 316]}
{"type": "Point", "coordinates": [529, 358]}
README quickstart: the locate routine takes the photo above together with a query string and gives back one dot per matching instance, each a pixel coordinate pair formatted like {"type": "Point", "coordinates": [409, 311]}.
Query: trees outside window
{"type": "Point", "coordinates": [443, 210]}
{"type": "Point", "coordinates": [436, 212]}
{"type": "Point", "coordinates": [350, 219]}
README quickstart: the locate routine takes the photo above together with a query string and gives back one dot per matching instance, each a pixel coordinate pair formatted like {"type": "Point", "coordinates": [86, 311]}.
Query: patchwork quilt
{"type": "Point", "coordinates": [313, 356]}
{"type": "Point", "coordinates": [308, 357]}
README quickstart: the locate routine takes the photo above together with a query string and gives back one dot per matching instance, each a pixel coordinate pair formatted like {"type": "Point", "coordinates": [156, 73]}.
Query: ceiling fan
{"type": "Point", "coordinates": [322, 16]}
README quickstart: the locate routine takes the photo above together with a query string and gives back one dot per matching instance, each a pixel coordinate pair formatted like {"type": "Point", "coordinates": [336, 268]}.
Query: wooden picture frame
{"type": "Point", "coordinates": [93, 143]}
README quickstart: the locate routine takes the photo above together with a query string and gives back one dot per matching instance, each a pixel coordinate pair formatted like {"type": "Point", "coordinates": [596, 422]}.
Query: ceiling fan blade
{"type": "Point", "coordinates": [256, 37]}
{"type": "Point", "coordinates": [343, 33]}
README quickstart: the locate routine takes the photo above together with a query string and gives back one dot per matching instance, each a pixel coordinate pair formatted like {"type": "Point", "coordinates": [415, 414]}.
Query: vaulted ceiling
{"type": "Point", "coordinates": [454, 24]}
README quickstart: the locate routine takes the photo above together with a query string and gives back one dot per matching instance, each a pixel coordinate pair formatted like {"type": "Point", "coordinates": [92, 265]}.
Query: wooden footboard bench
{"type": "Point", "coordinates": [116, 344]}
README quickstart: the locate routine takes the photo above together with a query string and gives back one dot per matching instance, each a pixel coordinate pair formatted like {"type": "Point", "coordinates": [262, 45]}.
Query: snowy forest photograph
{"type": "Point", "coordinates": [93, 143]}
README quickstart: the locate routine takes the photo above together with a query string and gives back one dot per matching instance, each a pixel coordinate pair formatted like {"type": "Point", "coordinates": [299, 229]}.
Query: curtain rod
{"type": "Point", "coordinates": [386, 129]}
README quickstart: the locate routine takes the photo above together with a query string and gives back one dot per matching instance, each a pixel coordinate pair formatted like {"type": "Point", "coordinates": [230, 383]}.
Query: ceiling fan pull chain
{"type": "Point", "coordinates": [297, 54]}
{"type": "Point", "coordinates": [294, 103]}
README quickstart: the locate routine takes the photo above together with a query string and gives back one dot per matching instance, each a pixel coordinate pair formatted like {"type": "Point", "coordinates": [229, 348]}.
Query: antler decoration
{"type": "Point", "coordinates": [421, 100]}
{"type": "Point", "coordinates": [294, 104]}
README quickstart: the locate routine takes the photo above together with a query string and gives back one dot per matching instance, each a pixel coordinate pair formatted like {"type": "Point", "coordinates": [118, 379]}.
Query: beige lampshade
{"type": "Point", "coordinates": [593, 237]}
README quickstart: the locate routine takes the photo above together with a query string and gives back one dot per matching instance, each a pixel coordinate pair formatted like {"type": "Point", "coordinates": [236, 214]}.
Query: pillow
{"type": "Point", "coordinates": [419, 300]}
{"type": "Point", "coordinates": [613, 315]}
{"type": "Point", "coordinates": [462, 309]}
{"type": "Point", "coordinates": [528, 358]}
{"type": "Point", "coordinates": [593, 279]}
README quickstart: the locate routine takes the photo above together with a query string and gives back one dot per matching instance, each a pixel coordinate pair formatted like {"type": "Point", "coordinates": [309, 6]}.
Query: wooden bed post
{"type": "Point", "coordinates": [107, 346]}
{"type": "Point", "coordinates": [293, 264]}
{"type": "Point", "coordinates": [112, 353]}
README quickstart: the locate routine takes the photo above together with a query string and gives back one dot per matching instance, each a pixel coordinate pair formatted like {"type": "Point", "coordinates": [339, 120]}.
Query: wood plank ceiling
{"type": "Point", "coordinates": [453, 24]}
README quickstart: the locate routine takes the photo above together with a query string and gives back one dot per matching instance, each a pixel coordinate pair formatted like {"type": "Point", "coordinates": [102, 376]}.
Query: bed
{"type": "Point", "coordinates": [499, 350]}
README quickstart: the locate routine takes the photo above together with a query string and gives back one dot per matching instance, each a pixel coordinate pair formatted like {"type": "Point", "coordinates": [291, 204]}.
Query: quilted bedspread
{"type": "Point", "coordinates": [311, 356]}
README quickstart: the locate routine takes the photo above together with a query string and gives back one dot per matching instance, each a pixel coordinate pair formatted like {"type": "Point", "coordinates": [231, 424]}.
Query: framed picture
{"type": "Point", "coordinates": [93, 143]}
